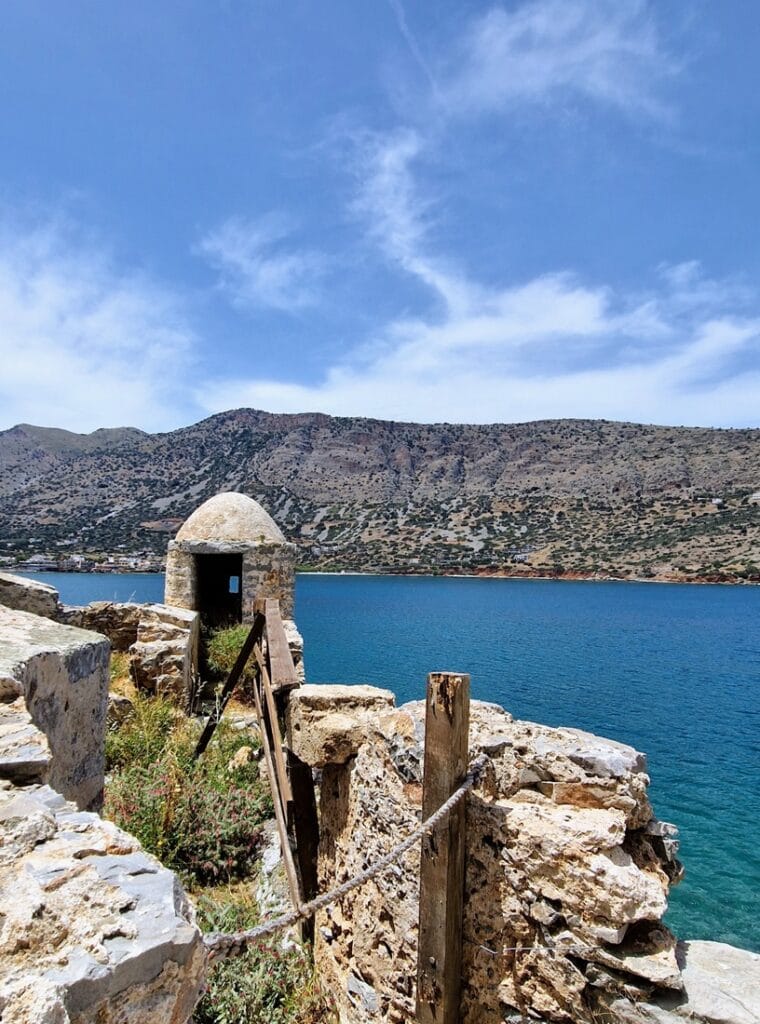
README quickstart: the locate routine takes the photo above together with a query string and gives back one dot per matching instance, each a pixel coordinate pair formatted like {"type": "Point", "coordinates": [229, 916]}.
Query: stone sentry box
{"type": "Point", "coordinates": [227, 554]}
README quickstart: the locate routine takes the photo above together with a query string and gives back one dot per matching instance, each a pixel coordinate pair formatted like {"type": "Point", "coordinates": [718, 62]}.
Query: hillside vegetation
{"type": "Point", "coordinates": [550, 497]}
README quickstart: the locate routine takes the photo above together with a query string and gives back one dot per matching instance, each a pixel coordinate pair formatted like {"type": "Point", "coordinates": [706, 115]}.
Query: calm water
{"type": "Point", "coordinates": [673, 670]}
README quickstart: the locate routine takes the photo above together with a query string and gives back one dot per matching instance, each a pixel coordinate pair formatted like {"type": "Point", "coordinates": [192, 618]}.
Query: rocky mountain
{"type": "Point", "coordinates": [555, 496]}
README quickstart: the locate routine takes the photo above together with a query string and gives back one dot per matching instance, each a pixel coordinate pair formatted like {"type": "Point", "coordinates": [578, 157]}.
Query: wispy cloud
{"type": "Point", "coordinates": [411, 41]}
{"type": "Point", "coordinates": [608, 51]}
{"type": "Point", "coordinates": [83, 345]}
{"type": "Point", "coordinates": [683, 351]}
{"type": "Point", "coordinates": [259, 269]}
{"type": "Point", "coordinates": [550, 347]}
{"type": "Point", "coordinates": [397, 218]}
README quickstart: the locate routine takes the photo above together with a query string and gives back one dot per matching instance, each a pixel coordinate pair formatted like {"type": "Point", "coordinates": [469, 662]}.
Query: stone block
{"type": "Point", "coordinates": [96, 931]}
{"type": "Point", "coordinates": [27, 595]}
{"type": "Point", "coordinates": [63, 674]}
{"type": "Point", "coordinates": [165, 653]}
{"type": "Point", "coordinates": [24, 750]}
{"type": "Point", "coordinates": [326, 724]}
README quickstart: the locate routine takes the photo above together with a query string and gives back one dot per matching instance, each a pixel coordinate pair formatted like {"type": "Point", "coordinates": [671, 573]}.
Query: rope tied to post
{"type": "Point", "coordinates": [224, 944]}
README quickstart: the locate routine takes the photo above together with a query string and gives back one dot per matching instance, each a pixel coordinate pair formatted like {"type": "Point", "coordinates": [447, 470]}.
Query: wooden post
{"type": "Point", "coordinates": [304, 826]}
{"type": "Point", "coordinates": [439, 948]}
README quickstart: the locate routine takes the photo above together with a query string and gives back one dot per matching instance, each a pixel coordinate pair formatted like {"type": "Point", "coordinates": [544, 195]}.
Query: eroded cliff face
{"type": "Point", "coordinates": [567, 871]}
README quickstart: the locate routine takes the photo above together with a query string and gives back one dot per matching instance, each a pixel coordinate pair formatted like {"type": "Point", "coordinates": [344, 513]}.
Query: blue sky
{"type": "Point", "coordinates": [450, 211]}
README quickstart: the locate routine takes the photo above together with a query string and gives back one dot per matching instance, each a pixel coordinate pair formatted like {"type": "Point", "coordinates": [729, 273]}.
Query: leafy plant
{"type": "Point", "coordinates": [222, 647]}
{"type": "Point", "coordinates": [201, 818]}
{"type": "Point", "coordinates": [267, 985]}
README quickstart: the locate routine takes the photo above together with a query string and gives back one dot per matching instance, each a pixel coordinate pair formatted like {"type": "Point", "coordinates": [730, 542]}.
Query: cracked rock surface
{"type": "Point", "coordinates": [93, 930]}
{"type": "Point", "coordinates": [567, 869]}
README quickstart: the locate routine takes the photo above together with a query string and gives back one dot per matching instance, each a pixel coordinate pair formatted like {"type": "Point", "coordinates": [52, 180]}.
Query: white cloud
{"type": "Point", "coordinates": [256, 269]}
{"type": "Point", "coordinates": [398, 219]}
{"type": "Point", "coordinates": [409, 38]}
{"type": "Point", "coordinates": [81, 345]}
{"type": "Point", "coordinates": [549, 348]}
{"type": "Point", "coordinates": [607, 51]}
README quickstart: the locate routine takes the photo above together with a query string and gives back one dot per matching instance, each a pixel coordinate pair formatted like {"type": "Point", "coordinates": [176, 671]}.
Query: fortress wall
{"type": "Point", "coordinates": [62, 673]}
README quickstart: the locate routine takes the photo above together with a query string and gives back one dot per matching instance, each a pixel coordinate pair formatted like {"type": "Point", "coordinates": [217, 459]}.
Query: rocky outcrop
{"type": "Point", "coordinates": [94, 930]}
{"type": "Point", "coordinates": [567, 870]}
{"type": "Point", "coordinates": [27, 595]}
{"type": "Point", "coordinates": [164, 655]}
{"type": "Point", "coordinates": [115, 619]}
{"type": "Point", "coordinates": [62, 674]}
{"type": "Point", "coordinates": [721, 985]}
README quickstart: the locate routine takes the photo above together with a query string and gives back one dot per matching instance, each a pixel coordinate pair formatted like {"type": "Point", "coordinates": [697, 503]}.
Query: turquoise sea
{"type": "Point", "coordinates": [672, 669]}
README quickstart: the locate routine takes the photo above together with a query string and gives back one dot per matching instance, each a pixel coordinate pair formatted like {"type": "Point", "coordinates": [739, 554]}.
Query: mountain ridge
{"type": "Point", "coordinates": [561, 496]}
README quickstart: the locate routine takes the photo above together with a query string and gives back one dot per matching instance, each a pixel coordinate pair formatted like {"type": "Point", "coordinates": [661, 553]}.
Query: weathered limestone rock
{"type": "Point", "coordinates": [566, 877]}
{"type": "Point", "coordinates": [116, 620]}
{"type": "Point", "coordinates": [295, 645]}
{"type": "Point", "coordinates": [319, 734]}
{"type": "Point", "coordinates": [62, 673]}
{"type": "Point", "coordinates": [119, 710]}
{"type": "Point", "coordinates": [164, 655]}
{"type": "Point", "coordinates": [162, 641]}
{"type": "Point", "coordinates": [24, 750]}
{"type": "Point", "coordinates": [721, 985]}
{"type": "Point", "coordinates": [27, 595]}
{"type": "Point", "coordinates": [93, 930]}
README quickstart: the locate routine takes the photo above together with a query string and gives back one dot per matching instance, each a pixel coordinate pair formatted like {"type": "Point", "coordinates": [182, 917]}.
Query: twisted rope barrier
{"type": "Point", "coordinates": [224, 944]}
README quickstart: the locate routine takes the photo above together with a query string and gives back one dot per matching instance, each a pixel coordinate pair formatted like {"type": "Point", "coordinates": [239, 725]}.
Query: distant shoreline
{"type": "Point", "coordinates": [569, 577]}
{"type": "Point", "coordinates": [574, 577]}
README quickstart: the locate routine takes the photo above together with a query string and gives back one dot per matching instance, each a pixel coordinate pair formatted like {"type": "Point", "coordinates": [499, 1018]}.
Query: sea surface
{"type": "Point", "coordinates": [671, 669]}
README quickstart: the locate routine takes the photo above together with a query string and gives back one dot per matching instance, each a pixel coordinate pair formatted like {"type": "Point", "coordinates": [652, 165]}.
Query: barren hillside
{"type": "Point", "coordinates": [559, 496]}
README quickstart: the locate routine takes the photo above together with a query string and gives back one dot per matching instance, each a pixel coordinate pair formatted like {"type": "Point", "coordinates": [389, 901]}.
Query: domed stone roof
{"type": "Point", "coordinates": [231, 518]}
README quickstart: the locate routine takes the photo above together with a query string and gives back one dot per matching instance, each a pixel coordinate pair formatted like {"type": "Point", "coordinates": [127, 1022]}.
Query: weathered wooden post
{"type": "Point", "coordinates": [439, 950]}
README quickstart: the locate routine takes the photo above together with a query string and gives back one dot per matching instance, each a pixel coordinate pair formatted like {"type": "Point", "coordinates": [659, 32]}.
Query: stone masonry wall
{"type": "Point", "coordinates": [563, 851]}
{"type": "Point", "coordinates": [269, 571]}
{"type": "Point", "coordinates": [164, 656]}
{"type": "Point", "coordinates": [180, 578]}
{"type": "Point", "coordinates": [118, 620]}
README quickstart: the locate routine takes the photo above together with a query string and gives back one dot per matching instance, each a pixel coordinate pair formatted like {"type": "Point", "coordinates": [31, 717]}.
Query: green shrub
{"type": "Point", "coordinates": [267, 985]}
{"type": "Point", "coordinates": [222, 647]}
{"type": "Point", "coordinates": [200, 818]}
{"type": "Point", "coordinates": [143, 737]}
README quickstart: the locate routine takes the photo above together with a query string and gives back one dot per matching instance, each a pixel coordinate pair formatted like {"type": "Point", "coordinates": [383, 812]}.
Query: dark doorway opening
{"type": "Point", "coordinates": [220, 589]}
